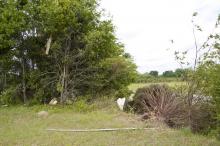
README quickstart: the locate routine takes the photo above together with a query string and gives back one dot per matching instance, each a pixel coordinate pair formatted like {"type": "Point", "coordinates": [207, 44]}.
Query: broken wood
{"type": "Point", "coordinates": [48, 45]}
{"type": "Point", "coordinates": [99, 130]}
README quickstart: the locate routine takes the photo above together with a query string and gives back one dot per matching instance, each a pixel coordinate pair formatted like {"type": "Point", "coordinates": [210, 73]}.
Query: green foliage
{"type": "Point", "coordinates": [118, 73]}
{"type": "Point", "coordinates": [182, 73]}
{"type": "Point", "coordinates": [9, 96]}
{"type": "Point", "coordinates": [84, 56]}
{"type": "Point", "coordinates": [167, 76]}
{"type": "Point", "coordinates": [11, 22]}
{"type": "Point", "coordinates": [154, 73]}
{"type": "Point", "coordinates": [208, 79]}
{"type": "Point", "coordinates": [146, 78]}
{"type": "Point", "coordinates": [169, 73]}
{"type": "Point", "coordinates": [202, 93]}
{"type": "Point", "coordinates": [124, 92]}
{"type": "Point", "coordinates": [82, 106]}
{"type": "Point", "coordinates": [203, 118]}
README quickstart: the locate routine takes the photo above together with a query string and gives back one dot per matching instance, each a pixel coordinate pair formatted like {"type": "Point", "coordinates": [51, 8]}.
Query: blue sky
{"type": "Point", "coordinates": [146, 27]}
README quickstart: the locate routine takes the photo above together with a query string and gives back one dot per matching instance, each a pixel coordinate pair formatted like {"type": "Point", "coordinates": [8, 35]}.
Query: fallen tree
{"type": "Point", "coordinates": [161, 103]}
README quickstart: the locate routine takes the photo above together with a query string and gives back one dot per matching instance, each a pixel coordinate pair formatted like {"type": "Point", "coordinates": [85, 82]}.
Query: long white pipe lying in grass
{"type": "Point", "coordinates": [99, 130]}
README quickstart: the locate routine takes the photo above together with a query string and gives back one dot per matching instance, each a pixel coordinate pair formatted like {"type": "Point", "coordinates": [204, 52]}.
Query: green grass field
{"type": "Point", "coordinates": [135, 86]}
{"type": "Point", "coordinates": [20, 126]}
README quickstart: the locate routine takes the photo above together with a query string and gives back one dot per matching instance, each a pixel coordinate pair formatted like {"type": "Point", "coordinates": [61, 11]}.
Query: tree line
{"type": "Point", "coordinates": [62, 49]}
{"type": "Point", "coordinates": [167, 76]}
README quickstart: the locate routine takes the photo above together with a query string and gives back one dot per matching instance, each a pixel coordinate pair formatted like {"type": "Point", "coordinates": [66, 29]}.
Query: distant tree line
{"type": "Point", "coordinates": [167, 76]}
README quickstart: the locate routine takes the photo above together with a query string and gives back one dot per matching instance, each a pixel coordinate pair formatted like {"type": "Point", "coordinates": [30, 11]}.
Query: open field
{"type": "Point", "coordinates": [19, 126]}
{"type": "Point", "coordinates": [135, 86]}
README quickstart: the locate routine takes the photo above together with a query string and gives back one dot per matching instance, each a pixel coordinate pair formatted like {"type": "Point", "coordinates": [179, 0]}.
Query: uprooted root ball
{"type": "Point", "coordinates": [161, 103]}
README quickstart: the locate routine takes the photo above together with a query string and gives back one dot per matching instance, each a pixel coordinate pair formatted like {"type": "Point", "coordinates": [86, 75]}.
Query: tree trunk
{"type": "Point", "coordinates": [64, 82]}
{"type": "Point", "coordinates": [62, 96]}
{"type": "Point", "coordinates": [5, 81]}
{"type": "Point", "coordinates": [190, 97]}
{"type": "Point", "coordinates": [23, 81]}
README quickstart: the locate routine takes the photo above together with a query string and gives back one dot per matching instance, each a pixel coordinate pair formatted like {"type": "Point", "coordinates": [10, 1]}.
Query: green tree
{"type": "Point", "coordinates": [60, 48]}
{"type": "Point", "coordinates": [203, 77]}
{"type": "Point", "coordinates": [154, 73]}
{"type": "Point", "coordinates": [168, 73]}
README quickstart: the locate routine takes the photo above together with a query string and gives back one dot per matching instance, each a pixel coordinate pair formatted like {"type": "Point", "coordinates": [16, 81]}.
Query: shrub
{"type": "Point", "coordinates": [203, 117]}
{"type": "Point", "coordinates": [8, 96]}
{"type": "Point", "coordinates": [124, 92]}
{"type": "Point", "coordinates": [202, 113]}
{"type": "Point", "coordinates": [208, 79]}
{"type": "Point", "coordinates": [162, 103]}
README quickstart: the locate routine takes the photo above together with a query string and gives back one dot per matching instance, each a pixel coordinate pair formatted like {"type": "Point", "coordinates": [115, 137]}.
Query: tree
{"type": "Point", "coordinates": [199, 78]}
{"type": "Point", "coordinates": [180, 72]}
{"type": "Point", "coordinates": [13, 33]}
{"type": "Point", "coordinates": [168, 73]}
{"type": "Point", "coordinates": [60, 48]}
{"type": "Point", "coordinates": [154, 73]}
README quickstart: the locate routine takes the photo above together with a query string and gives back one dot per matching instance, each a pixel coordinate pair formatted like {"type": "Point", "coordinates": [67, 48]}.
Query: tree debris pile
{"type": "Point", "coordinates": [161, 103]}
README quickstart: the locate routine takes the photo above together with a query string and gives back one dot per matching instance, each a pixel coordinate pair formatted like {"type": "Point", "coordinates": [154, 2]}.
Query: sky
{"type": "Point", "coordinates": [146, 28]}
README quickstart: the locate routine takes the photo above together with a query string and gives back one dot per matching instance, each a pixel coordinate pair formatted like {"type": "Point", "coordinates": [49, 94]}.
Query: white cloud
{"type": "Point", "coordinates": [146, 26]}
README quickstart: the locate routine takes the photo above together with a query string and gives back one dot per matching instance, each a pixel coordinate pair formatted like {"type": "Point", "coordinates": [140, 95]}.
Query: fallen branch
{"type": "Point", "coordinates": [99, 130]}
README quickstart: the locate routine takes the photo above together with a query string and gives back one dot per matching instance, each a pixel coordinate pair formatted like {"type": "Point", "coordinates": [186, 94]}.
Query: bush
{"type": "Point", "coordinates": [208, 78]}
{"type": "Point", "coordinates": [124, 92]}
{"type": "Point", "coordinates": [8, 96]}
{"type": "Point", "coordinates": [161, 102]}
{"type": "Point", "coordinates": [203, 117]}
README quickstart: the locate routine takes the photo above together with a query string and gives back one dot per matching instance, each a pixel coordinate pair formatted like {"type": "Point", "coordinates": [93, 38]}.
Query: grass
{"type": "Point", "coordinates": [135, 86]}
{"type": "Point", "coordinates": [20, 126]}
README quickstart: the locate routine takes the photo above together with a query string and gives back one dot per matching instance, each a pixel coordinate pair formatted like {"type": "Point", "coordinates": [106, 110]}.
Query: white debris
{"type": "Point", "coordinates": [121, 103]}
{"type": "Point", "coordinates": [53, 101]}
